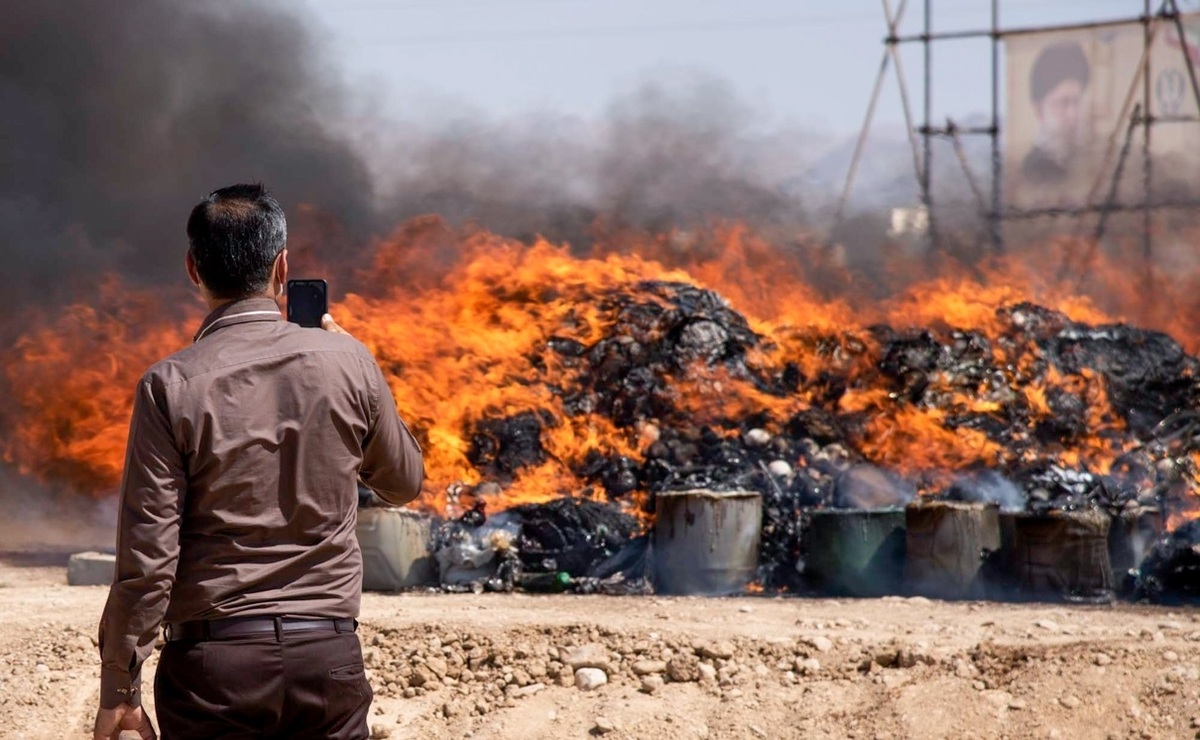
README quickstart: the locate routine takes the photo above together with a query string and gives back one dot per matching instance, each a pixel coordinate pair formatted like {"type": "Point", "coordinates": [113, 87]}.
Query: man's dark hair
{"type": "Point", "coordinates": [234, 235]}
{"type": "Point", "coordinates": [1055, 64]}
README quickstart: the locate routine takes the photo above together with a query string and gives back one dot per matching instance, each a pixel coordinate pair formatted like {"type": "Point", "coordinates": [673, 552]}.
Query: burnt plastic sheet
{"type": "Point", "coordinates": [570, 535]}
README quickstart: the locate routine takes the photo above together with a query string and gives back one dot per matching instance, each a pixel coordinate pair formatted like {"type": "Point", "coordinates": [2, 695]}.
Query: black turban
{"type": "Point", "coordinates": [1056, 64]}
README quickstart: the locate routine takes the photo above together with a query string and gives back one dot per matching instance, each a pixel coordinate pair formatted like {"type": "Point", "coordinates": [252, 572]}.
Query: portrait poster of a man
{"type": "Point", "coordinates": [1057, 84]}
{"type": "Point", "coordinates": [1070, 98]}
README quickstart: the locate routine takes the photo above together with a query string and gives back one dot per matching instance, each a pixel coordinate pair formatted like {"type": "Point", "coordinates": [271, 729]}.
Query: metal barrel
{"type": "Point", "coordinates": [857, 552]}
{"type": "Point", "coordinates": [946, 545]}
{"type": "Point", "coordinates": [706, 542]}
{"type": "Point", "coordinates": [1063, 555]}
{"type": "Point", "coordinates": [395, 549]}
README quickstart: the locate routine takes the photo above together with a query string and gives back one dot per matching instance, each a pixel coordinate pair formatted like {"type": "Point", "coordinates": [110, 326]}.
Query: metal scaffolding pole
{"type": "Point", "coordinates": [995, 227]}
{"type": "Point", "coordinates": [997, 212]}
{"type": "Point", "coordinates": [927, 172]}
{"type": "Point", "coordinates": [1147, 128]}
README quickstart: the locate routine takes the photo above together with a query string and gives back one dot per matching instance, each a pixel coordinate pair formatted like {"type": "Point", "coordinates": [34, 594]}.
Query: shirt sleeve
{"type": "Point", "coordinates": [152, 491]}
{"type": "Point", "coordinates": [392, 463]}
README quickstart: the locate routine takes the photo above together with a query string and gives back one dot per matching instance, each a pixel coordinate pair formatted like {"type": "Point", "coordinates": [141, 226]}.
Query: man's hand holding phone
{"type": "Point", "coordinates": [328, 324]}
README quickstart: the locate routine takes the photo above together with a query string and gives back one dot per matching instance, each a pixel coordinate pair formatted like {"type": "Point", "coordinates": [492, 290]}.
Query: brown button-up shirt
{"type": "Point", "coordinates": [240, 491]}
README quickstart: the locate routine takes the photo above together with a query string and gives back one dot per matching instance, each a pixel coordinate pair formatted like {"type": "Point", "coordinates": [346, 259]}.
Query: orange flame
{"type": "Point", "coordinates": [461, 321]}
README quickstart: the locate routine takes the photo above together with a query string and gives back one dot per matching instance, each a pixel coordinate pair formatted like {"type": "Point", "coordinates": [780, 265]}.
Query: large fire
{"type": "Point", "coordinates": [461, 322]}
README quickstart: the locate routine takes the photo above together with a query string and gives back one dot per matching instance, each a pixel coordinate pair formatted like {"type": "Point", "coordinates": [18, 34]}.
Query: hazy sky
{"type": "Point", "coordinates": [808, 62]}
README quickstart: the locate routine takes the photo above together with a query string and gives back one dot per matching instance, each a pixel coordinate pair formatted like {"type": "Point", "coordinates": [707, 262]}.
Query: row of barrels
{"type": "Point", "coordinates": [707, 542]}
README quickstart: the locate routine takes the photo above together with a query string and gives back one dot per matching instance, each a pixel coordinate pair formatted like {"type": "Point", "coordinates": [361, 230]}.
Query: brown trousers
{"type": "Point", "coordinates": [309, 685]}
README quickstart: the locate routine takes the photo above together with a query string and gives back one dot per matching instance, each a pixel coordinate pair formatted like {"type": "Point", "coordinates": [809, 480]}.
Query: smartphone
{"type": "Point", "coordinates": [307, 301]}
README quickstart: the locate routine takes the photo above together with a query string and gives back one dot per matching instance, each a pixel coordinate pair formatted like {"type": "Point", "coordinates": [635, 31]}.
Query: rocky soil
{"type": "Point", "coordinates": [517, 666]}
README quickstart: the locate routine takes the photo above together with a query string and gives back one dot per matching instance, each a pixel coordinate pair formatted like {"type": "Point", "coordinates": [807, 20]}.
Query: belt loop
{"type": "Point", "coordinates": [278, 628]}
{"type": "Point", "coordinates": [337, 626]}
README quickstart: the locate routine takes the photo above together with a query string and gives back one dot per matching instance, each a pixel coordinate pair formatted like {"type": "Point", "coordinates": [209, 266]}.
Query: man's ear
{"type": "Point", "coordinates": [189, 264]}
{"type": "Point", "coordinates": [281, 271]}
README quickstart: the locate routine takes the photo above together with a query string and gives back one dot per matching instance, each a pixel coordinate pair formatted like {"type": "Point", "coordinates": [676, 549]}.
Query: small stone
{"type": "Point", "coordinates": [529, 690]}
{"type": "Point", "coordinates": [745, 609]}
{"type": "Point", "coordinates": [451, 709]}
{"type": "Point", "coordinates": [652, 684]}
{"type": "Point", "coordinates": [758, 731]}
{"type": "Point", "coordinates": [1017, 704]}
{"type": "Point", "coordinates": [588, 679]}
{"type": "Point", "coordinates": [733, 694]}
{"type": "Point", "coordinates": [1047, 625]}
{"type": "Point", "coordinates": [707, 672]}
{"type": "Point", "coordinates": [820, 643]}
{"type": "Point", "coordinates": [648, 667]}
{"type": "Point", "coordinates": [603, 726]}
{"type": "Point", "coordinates": [1170, 656]}
{"type": "Point", "coordinates": [41, 668]}
{"type": "Point", "coordinates": [380, 730]}
{"type": "Point", "coordinates": [808, 666]}
{"type": "Point", "coordinates": [723, 650]}
{"type": "Point", "coordinates": [1070, 702]}
{"type": "Point", "coordinates": [683, 668]}
{"type": "Point", "coordinates": [1102, 659]}
{"type": "Point", "coordinates": [592, 655]}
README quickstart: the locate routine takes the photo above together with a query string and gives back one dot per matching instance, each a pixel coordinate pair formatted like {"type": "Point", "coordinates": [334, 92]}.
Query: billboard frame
{"type": "Point", "coordinates": [995, 212]}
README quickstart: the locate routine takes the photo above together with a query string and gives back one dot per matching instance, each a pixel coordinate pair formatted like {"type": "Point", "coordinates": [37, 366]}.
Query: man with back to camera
{"type": "Point", "coordinates": [238, 506]}
{"type": "Point", "coordinates": [1059, 77]}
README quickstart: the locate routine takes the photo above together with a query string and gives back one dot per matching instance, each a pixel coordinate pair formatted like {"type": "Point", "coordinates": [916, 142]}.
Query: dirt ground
{"type": "Point", "coordinates": [503, 666]}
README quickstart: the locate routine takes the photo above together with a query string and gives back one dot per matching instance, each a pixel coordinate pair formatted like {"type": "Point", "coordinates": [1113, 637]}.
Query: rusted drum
{"type": "Point", "coordinates": [706, 542]}
{"type": "Point", "coordinates": [946, 545]}
{"type": "Point", "coordinates": [1063, 555]}
{"type": "Point", "coordinates": [395, 549]}
{"type": "Point", "coordinates": [857, 552]}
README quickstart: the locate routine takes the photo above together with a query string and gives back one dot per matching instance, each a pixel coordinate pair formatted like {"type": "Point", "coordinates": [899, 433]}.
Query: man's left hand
{"type": "Point", "coordinates": [111, 722]}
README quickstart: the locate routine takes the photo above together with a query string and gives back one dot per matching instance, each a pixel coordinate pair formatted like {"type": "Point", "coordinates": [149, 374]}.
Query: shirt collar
{"type": "Point", "coordinates": [239, 312]}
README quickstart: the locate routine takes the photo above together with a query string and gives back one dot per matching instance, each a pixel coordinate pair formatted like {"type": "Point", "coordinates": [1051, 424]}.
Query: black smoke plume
{"type": "Point", "coordinates": [117, 117]}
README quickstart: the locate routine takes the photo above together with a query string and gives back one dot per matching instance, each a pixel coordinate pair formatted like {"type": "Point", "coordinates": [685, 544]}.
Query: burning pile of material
{"type": "Point", "coordinates": [1075, 415]}
{"type": "Point", "coordinates": [533, 376]}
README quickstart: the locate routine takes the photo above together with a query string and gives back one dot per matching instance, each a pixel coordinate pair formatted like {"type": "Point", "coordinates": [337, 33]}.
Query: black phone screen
{"type": "Point", "coordinates": [307, 301]}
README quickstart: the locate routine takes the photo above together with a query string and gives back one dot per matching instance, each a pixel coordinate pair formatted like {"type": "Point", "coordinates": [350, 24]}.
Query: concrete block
{"type": "Point", "coordinates": [91, 569]}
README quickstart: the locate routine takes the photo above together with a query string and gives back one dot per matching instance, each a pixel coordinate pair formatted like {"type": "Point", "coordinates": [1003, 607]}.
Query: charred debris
{"type": "Point", "coordinates": [1140, 385]}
